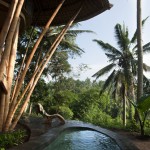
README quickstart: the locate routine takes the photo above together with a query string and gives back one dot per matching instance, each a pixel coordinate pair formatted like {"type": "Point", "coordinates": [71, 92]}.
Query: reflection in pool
{"type": "Point", "coordinates": [82, 140]}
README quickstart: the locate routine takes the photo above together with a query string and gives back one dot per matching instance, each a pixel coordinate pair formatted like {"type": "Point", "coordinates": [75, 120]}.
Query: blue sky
{"type": "Point", "coordinates": [123, 11]}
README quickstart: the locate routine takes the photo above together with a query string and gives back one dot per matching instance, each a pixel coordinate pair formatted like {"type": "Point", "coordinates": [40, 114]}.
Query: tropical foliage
{"type": "Point", "coordinates": [123, 65]}
{"type": "Point", "coordinates": [143, 109]}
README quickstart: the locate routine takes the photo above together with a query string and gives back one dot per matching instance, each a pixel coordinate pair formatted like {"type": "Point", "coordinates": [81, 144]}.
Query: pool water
{"type": "Point", "coordinates": [83, 140]}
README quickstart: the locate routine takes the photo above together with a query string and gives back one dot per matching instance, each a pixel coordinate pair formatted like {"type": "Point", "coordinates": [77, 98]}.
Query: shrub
{"type": "Point", "coordinates": [132, 126]}
{"type": "Point", "coordinates": [11, 139]}
{"type": "Point", "coordinates": [65, 111]}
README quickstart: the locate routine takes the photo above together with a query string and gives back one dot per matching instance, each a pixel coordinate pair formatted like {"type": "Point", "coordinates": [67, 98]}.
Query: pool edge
{"type": "Point", "coordinates": [45, 139]}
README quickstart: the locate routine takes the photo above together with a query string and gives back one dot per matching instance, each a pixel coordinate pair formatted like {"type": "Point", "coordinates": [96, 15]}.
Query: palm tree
{"type": "Point", "coordinates": [140, 51]}
{"type": "Point", "coordinates": [123, 64]}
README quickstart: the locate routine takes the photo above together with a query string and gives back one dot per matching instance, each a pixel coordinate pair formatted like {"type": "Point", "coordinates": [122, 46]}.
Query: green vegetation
{"type": "Point", "coordinates": [11, 139]}
{"type": "Point", "coordinates": [123, 67]}
{"type": "Point", "coordinates": [103, 103]}
{"type": "Point", "coordinates": [82, 102]}
{"type": "Point", "coordinates": [143, 108]}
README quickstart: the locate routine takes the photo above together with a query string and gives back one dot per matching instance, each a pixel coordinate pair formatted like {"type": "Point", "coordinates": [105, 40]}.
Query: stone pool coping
{"type": "Point", "coordinates": [45, 139]}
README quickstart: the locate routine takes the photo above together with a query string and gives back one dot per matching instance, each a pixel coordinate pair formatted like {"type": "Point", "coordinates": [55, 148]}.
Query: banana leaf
{"type": "Point", "coordinates": [144, 103]}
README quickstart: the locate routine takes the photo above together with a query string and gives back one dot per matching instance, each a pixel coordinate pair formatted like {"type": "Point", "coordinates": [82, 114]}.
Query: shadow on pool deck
{"type": "Point", "coordinates": [43, 134]}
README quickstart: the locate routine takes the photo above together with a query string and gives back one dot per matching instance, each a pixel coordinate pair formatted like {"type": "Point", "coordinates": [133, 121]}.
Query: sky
{"type": "Point", "coordinates": [122, 12]}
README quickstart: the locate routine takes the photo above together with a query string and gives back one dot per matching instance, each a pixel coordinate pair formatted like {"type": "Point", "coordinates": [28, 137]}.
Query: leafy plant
{"type": "Point", "coordinates": [11, 139]}
{"type": "Point", "coordinates": [142, 107]}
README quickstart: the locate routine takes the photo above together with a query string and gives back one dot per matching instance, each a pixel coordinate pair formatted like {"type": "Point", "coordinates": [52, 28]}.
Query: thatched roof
{"type": "Point", "coordinates": [43, 9]}
{"type": "Point", "coordinates": [37, 12]}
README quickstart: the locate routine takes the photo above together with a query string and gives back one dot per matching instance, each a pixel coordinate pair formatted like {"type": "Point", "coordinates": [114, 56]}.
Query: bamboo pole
{"type": "Point", "coordinates": [10, 116]}
{"type": "Point", "coordinates": [33, 76]}
{"type": "Point", "coordinates": [36, 71]}
{"type": "Point", "coordinates": [21, 67]}
{"type": "Point", "coordinates": [43, 67]}
{"type": "Point", "coordinates": [11, 69]}
{"type": "Point", "coordinates": [7, 24]}
{"type": "Point", "coordinates": [49, 53]}
{"type": "Point", "coordinates": [34, 50]}
{"type": "Point", "coordinates": [2, 106]}
{"type": "Point", "coordinates": [6, 53]}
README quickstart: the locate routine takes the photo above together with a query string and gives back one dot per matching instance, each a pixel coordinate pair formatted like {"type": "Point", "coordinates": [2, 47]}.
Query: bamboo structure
{"type": "Point", "coordinates": [38, 74]}
{"type": "Point", "coordinates": [61, 12]}
{"type": "Point", "coordinates": [7, 24]}
{"type": "Point", "coordinates": [4, 65]}
{"type": "Point", "coordinates": [18, 87]}
{"type": "Point", "coordinates": [34, 50]}
{"type": "Point", "coordinates": [11, 67]}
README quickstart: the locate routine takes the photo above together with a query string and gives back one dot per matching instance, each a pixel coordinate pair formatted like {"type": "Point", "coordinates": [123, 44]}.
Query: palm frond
{"type": "Point", "coordinates": [144, 20]}
{"type": "Point", "coordinates": [112, 58]}
{"type": "Point", "coordinates": [77, 32]}
{"type": "Point", "coordinates": [145, 79]}
{"type": "Point", "coordinates": [117, 80]}
{"type": "Point", "coordinates": [108, 82]}
{"type": "Point", "coordinates": [146, 67]}
{"type": "Point", "coordinates": [121, 35]}
{"type": "Point", "coordinates": [107, 47]}
{"type": "Point", "coordinates": [134, 67]}
{"type": "Point", "coordinates": [146, 48]}
{"type": "Point", "coordinates": [134, 38]}
{"type": "Point", "coordinates": [134, 49]}
{"type": "Point", "coordinates": [103, 70]}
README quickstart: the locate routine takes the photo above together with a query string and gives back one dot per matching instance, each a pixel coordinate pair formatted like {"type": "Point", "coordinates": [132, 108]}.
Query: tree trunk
{"type": "Point", "coordinates": [124, 104]}
{"type": "Point", "coordinates": [132, 98]}
{"type": "Point", "coordinates": [124, 111]}
{"type": "Point", "coordinates": [140, 54]}
{"type": "Point", "coordinates": [140, 51]}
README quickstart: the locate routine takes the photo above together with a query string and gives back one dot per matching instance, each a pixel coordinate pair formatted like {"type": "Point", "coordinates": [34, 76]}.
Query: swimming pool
{"type": "Point", "coordinates": [76, 139]}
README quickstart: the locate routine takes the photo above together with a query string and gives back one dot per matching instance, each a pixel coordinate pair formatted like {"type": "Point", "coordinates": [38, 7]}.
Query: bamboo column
{"type": "Point", "coordinates": [2, 107]}
{"type": "Point", "coordinates": [5, 58]}
{"type": "Point", "coordinates": [6, 53]}
{"type": "Point", "coordinates": [21, 66]}
{"type": "Point", "coordinates": [52, 50]}
{"type": "Point", "coordinates": [7, 24]}
{"type": "Point", "coordinates": [11, 66]}
{"type": "Point", "coordinates": [35, 48]}
{"type": "Point", "coordinates": [47, 56]}
{"type": "Point", "coordinates": [11, 109]}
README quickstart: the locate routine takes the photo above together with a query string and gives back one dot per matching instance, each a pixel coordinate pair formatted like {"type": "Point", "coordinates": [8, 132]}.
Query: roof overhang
{"type": "Point", "coordinates": [38, 12]}
{"type": "Point", "coordinates": [43, 9]}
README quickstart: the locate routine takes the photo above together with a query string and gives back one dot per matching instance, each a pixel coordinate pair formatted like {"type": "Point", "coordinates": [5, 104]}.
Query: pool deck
{"type": "Point", "coordinates": [42, 134]}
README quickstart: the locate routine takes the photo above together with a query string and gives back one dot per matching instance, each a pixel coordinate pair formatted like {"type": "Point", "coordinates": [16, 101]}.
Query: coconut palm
{"type": "Point", "coordinates": [140, 50]}
{"type": "Point", "coordinates": [123, 64]}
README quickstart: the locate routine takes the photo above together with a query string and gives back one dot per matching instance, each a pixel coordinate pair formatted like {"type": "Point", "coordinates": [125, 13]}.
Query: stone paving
{"type": "Point", "coordinates": [42, 135]}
